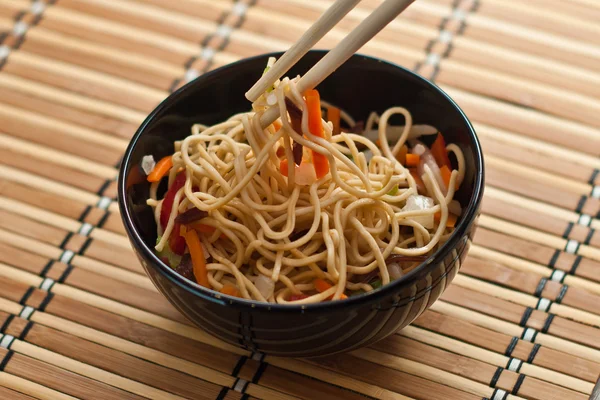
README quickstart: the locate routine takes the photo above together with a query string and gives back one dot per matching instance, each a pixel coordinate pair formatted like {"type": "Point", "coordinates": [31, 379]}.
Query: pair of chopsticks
{"type": "Point", "coordinates": [375, 22]}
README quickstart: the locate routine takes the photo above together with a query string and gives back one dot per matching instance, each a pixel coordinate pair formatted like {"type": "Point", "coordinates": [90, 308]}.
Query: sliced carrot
{"type": "Point", "coordinates": [283, 167]}
{"type": "Point", "coordinates": [401, 156]}
{"type": "Point", "coordinates": [439, 152]}
{"type": "Point", "coordinates": [202, 228]}
{"type": "Point", "coordinates": [198, 261]}
{"type": "Point", "coordinates": [412, 160]}
{"type": "Point", "coordinates": [322, 285]}
{"type": "Point", "coordinates": [230, 290]}
{"type": "Point", "coordinates": [280, 152]}
{"type": "Point", "coordinates": [450, 223]}
{"type": "Point", "coordinates": [160, 169]}
{"type": "Point", "coordinates": [418, 180]}
{"type": "Point", "coordinates": [333, 115]}
{"type": "Point", "coordinates": [313, 105]}
{"type": "Point", "coordinates": [276, 125]}
{"type": "Point", "coordinates": [378, 143]}
{"type": "Point", "coordinates": [446, 174]}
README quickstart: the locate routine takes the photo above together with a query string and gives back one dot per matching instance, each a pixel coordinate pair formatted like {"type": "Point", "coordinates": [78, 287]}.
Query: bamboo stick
{"type": "Point", "coordinates": [134, 349]}
{"type": "Point", "coordinates": [72, 130]}
{"type": "Point", "coordinates": [528, 266]}
{"type": "Point", "coordinates": [511, 329]}
{"type": "Point", "coordinates": [425, 371]}
{"type": "Point", "coordinates": [98, 267]}
{"type": "Point", "coordinates": [47, 185]}
{"type": "Point", "coordinates": [556, 101]}
{"type": "Point", "coordinates": [141, 36]}
{"type": "Point", "coordinates": [527, 122]}
{"type": "Point", "coordinates": [95, 106]}
{"type": "Point", "coordinates": [487, 356]}
{"type": "Point", "coordinates": [326, 375]}
{"type": "Point", "coordinates": [31, 388]}
{"type": "Point", "coordinates": [75, 72]}
{"type": "Point", "coordinates": [526, 300]}
{"type": "Point", "coordinates": [536, 236]}
{"type": "Point", "coordinates": [569, 8]}
{"type": "Point", "coordinates": [266, 393]}
{"type": "Point", "coordinates": [520, 63]}
{"type": "Point", "coordinates": [61, 222]}
{"type": "Point", "coordinates": [544, 19]}
{"type": "Point", "coordinates": [540, 176]}
{"type": "Point", "coordinates": [91, 372]}
{"type": "Point", "coordinates": [34, 150]}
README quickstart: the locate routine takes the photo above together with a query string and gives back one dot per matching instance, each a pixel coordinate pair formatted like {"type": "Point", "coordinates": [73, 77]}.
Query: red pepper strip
{"type": "Point", "coordinates": [167, 203]}
{"type": "Point", "coordinates": [313, 104]}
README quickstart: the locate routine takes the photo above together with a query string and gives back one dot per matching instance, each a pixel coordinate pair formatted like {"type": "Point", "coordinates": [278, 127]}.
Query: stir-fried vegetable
{"type": "Point", "coordinates": [412, 160]}
{"type": "Point", "coordinates": [419, 203]}
{"type": "Point", "coordinates": [322, 285]}
{"type": "Point", "coordinates": [161, 169]}
{"type": "Point", "coordinates": [401, 156]}
{"type": "Point", "coordinates": [230, 290]}
{"type": "Point", "coordinates": [198, 260]}
{"type": "Point", "coordinates": [334, 116]}
{"type": "Point", "coordinates": [446, 174]}
{"type": "Point", "coordinates": [439, 152]}
{"type": "Point", "coordinates": [313, 104]}
{"type": "Point", "coordinates": [296, 121]}
{"type": "Point", "coordinates": [450, 223]}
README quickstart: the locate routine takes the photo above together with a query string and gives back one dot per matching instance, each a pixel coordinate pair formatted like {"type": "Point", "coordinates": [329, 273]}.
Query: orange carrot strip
{"type": "Point", "coordinates": [321, 285]}
{"type": "Point", "coordinates": [412, 160]}
{"type": "Point", "coordinates": [333, 115]}
{"type": "Point", "coordinates": [202, 228]}
{"type": "Point", "coordinates": [230, 290]}
{"type": "Point", "coordinates": [439, 152]}
{"type": "Point", "coordinates": [198, 260]}
{"type": "Point", "coordinates": [276, 125]}
{"type": "Point", "coordinates": [283, 167]}
{"type": "Point", "coordinates": [401, 156]}
{"type": "Point", "coordinates": [446, 174]}
{"type": "Point", "coordinates": [450, 223]}
{"type": "Point", "coordinates": [313, 105]}
{"type": "Point", "coordinates": [160, 169]}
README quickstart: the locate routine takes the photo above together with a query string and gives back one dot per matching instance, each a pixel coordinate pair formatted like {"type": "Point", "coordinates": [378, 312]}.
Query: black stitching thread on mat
{"type": "Point", "coordinates": [84, 214]}
{"type": "Point", "coordinates": [594, 176]}
{"type": "Point", "coordinates": [496, 376]}
{"type": "Point", "coordinates": [568, 230]}
{"type": "Point", "coordinates": [6, 323]}
{"type": "Point", "coordinates": [540, 287]}
{"type": "Point", "coordinates": [222, 393]}
{"type": "Point", "coordinates": [511, 346]}
{"type": "Point", "coordinates": [245, 396]}
{"type": "Point", "coordinates": [26, 330]}
{"type": "Point", "coordinates": [45, 302]}
{"type": "Point", "coordinates": [66, 240]}
{"type": "Point", "coordinates": [580, 204]}
{"type": "Point", "coordinates": [261, 369]}
{"type": "Point", "coordinates": [494, 395]}
{"type": "Point", "coordinates": [239, 365]}
{"type": "Point", "coordinates": [575, 265]}
{"type": "Point", "coordinates": [554, 258]}
{"type": "Point", "coordinates": [561, 294]}
{"type": "Point", "coordinates": [533, 353]}
{"type": "Point", "coordinates": [5, 360]}
{"type": "Point", "coordinates": [46, 268]}
{"type": "Point", "coordinates": [525, 316]}
{"type": "Point", "coordinates": [518, 384]}
{"type": "Point", "coordinates": [65, 274]}
{"type": "Point", "coordinates": [85, 245]}
{"type": "Point", "coordinates": [548, 323]}
{"type": "Point", "coordinates": [103, 219]}
{"type": "Point", "coordinates": [100, 191]}
{"type": "Point", "coordinates": [26, 296]}
{"type": "Point", "coordinates": [589, 236]}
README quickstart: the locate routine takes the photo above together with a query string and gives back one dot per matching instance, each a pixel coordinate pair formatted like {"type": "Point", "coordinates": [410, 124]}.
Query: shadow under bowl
{"type": "Point", "coordinates": [363, 84]}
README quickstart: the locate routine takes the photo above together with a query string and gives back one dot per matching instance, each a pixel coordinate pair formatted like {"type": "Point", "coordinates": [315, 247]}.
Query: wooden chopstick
{"type": "Point", "coordinates": [375, 22]}
{"type": "Point", "coordinates": [324, 24]}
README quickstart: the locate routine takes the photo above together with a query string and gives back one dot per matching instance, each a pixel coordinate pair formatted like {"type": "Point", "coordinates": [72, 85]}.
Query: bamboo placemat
{"type": "Point", "coordinates": [79, 318]}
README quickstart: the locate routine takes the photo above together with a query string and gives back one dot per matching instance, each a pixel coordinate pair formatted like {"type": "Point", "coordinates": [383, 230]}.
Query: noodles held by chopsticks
{"type": "Point", "coordinates": [271, 229]}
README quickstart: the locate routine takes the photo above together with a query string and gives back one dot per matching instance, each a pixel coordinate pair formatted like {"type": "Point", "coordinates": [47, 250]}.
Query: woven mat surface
{"type": "Point", "coordinates": [78, 316]}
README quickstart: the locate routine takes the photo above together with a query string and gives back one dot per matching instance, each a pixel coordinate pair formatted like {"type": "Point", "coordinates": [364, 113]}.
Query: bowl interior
{"type": "Point", "coordinates": [361, 85]}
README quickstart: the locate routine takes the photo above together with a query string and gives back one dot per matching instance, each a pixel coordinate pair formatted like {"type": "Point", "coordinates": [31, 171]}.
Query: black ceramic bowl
{"type": "Point", "coordinates": [361, 85]}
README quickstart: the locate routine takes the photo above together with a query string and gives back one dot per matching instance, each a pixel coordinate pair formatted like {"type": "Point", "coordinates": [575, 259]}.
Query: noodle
{"type": "Point", "coordinates": [271, 233]}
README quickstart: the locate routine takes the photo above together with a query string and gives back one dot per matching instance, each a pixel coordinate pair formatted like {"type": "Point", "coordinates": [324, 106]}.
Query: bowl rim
{"type": "Point", "coordinates": [416, 274]}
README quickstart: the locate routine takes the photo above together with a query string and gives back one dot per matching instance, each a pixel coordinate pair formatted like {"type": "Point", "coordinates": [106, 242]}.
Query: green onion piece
{"type": "Point", "coordinates": [357, 293]}
{"type": "Point", "coordinates": [376, 284]}
{"type": "Point", "coordinates": [174, 259]}
{"type": "Point", "coordinates": [394, 191]}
